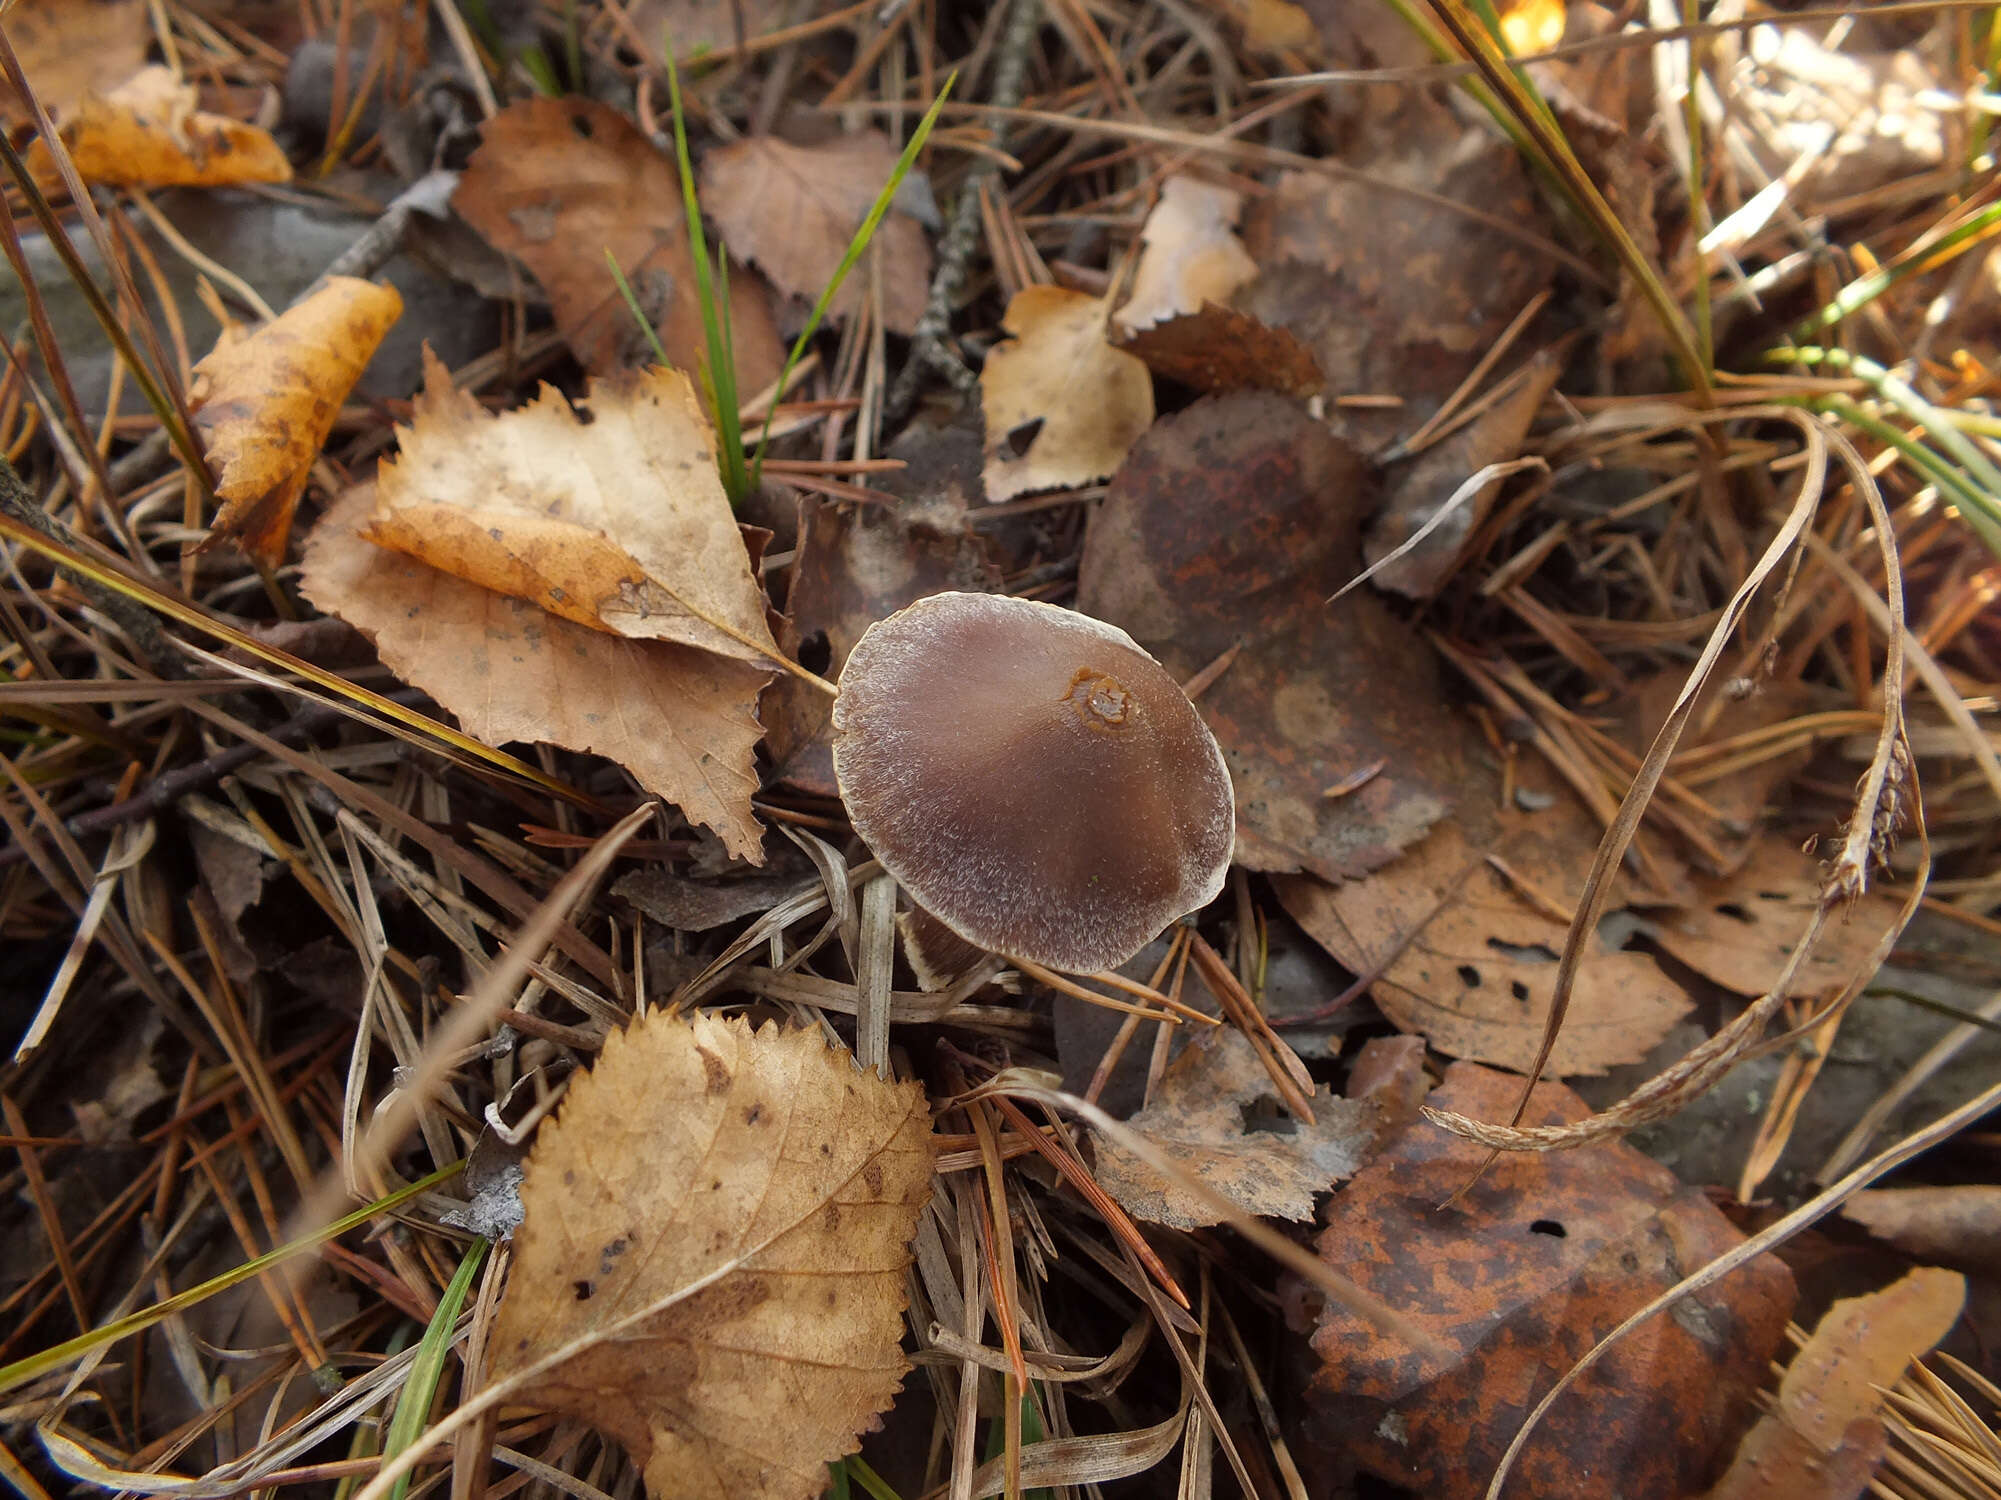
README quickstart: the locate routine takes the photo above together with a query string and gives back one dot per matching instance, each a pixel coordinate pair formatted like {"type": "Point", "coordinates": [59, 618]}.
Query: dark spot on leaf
{"type": "Point", "coordinates": [1519, 990]}
{"type": "Point", "coordinates": [872, 1178]}
{"type": "Point", "coordinates": [583, 1289]}
{"type": "Point", "coordinates": [833, 1216]}
{"type": "Point", "coordinates": [1020, 439]}
{"type": "Point", "coordinates": [1527, 953]}
{"type": "Point", "coordinates": [1469, 976]}
{"type": "Point", "coordinates": [752, 1115]}
{"type": "Point", "coordinates": [1735, 912]}
{"type": "Point", "coordinates": [581, 123]}
{"type": "Point", "coordinates": [715, 1072]}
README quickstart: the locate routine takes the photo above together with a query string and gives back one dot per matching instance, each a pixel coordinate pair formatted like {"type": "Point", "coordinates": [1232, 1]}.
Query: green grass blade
{"type": "Point", "coordinates": [420, 1388]}
{"type": "Point", "coordinates": [858, 1469]}
{"type": "Point", "coordinates": [1863, 290]}
{"type": "Point", "coordinates": [719, 373]}
{"type": "Point", "coordinates": [21, 1371]}
{"type": "Point", "coordinates": [638, 313]}
{"type": "Point", "coordinates": [857, 247]}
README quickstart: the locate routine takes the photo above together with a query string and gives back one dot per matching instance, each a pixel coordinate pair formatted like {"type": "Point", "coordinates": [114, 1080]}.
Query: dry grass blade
{"type": "Point", "coordinates": [1886, 791]}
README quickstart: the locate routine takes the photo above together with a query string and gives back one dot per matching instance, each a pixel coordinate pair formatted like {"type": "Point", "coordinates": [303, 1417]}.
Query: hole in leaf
{"type": "Point", "coordinates": [816, 653]}
{"type": "Point", "coordinates": [583, 1289]}
{"type": "Point", "coordinates": [1549, 1227]}
{"type": "Point", "coordinates": [1735, 912]}
{"type": "Point", "coordinates": [1519, 990]}
{"type": "Point", "coordinates": [1469, 976]}
{"type": "Point", "coordinates": [581, 123]}
{"type": "Point", "coordinates": [1528, 953]}
{"type": "Point", "coordinates": [1020, 439]}
{"type": "Point", "coordinates": [1264, 1115]}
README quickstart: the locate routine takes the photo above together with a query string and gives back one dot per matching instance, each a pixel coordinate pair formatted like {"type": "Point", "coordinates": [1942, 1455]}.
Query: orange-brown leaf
{"type": "Point", "coordinates": [265, 400]}
{"type": "Point", "coordinates": [148, 133]}
{"type": "Point", "coordinates": [71, 48]}
{"type": "Point", "coordinates": [681, 720]}
{"type": "Point", "coordinates": [712, 1255]}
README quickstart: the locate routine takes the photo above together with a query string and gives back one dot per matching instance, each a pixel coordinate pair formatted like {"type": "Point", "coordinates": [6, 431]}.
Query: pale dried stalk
{"type": "Point", "coordinates": [1887, 786]}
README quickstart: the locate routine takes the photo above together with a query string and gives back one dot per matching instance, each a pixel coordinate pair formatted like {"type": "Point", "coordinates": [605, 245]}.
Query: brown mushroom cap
{"type": "Point", "coordinates": [1031, 777]}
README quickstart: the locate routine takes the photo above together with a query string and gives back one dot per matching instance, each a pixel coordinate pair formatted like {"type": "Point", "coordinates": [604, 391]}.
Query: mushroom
{"type": "Point", "coordinates": [1031, 778]}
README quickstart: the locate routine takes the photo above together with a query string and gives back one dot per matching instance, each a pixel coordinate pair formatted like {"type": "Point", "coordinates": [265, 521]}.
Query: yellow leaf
{"type": "Point", "coordinates": [1531, 26]}
{"type": "Point", "coordinates": [681, 720]}
{"type": "Point", "coordinates": [148, 133]}
{"type": "Point", "coordinates": [713, 1251]}
{"type": "Point", "coordinates": [620, 525]}
{"type": "Point", "coordinates": [265, 401]}
{"type": "Point", "coordinates": [1062, 406]}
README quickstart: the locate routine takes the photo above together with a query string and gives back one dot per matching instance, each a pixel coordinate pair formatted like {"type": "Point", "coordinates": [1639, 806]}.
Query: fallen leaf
{"type": "Point", "coordinates": [619, 524]}
{"type": "Point", "coordinates": [560, 182]}
{"type": "Point", "coordinates": [793, 210]}
{"type": "Point", "coordinates": [857, 564]}
{"type": "Point", "coordinates": [693, 27]}
{"type": "Point", "coordinates": [1218, 348]}
{"type": "Point", "coordinates": [681, 904]}
{"type": "Point", "coordinates": [72, 48]}
{"type": "Point", "coordinates": [683, 721]}
{"type": "Point", "coordinates": [1825, 1436]}
{"type": "Point", "coordinates": [1958, 1225]}
{"type": "Point", "coordinates": [1399, 295]}
{"type": "Point", "coordinates": [1477, 979]}
{"type": "Point", "coordinates": [714, 1238]}
{"type": "Point", "coordinates": [1423, 488]}
{"type": "Point", "coordinates": [1741, 931]}
{"type": "Point", "coordinates": [265, 399]}
{"type": "Point", "coordinates": [1062, 406]}
{"type": "Point", "coordinates": [148, 133]}
{"type": "Point", "coordinates": [1202, 1118]}
{"type": "Point", "coordinates": [1228, 526]}
{"type": "Point", "coordinates": [1192, 254]}
{"type": "Point", "coordinates": [1271, 25]}
{"type": "Point", "coordinates": [1546, 1253]}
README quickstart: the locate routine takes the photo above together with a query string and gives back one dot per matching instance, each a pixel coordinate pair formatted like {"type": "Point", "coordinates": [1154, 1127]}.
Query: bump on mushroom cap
{"type": "Point", "coordinates": [1031, 777]}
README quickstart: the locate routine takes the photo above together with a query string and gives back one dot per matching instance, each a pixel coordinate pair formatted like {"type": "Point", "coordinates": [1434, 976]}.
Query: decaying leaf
{"type": "Point", "coordinates": [558, 183]}
{"type": "Point", "coordinates": [1546, 1253]}
{"type": "Point", "coordinates": [1203, 1117]}
{"type": "Point", "coordinates": [1959, 1225]}
{"type": "Point", "coordinates": [683, 721]}
{"type": "Point", "coordinates": [1741, 931]}
{"type": "Point", "coordinates": [72, 48]}
{"type": "Point", "coordinates": [265, 400]}
{"type": "Point", "coordinates": [619, 525]}
{"type": "Point", "coordinates": [148, 133]}
{"type": "Point", "coordinates": [1192, 254]}
{"type": "Point", "coordinates": [1227, 527]}
{"type": "Point", "coordinates": [856, 564]}
{"type": "Point", "coordinates": [1218, 348]}
{"type": "Point", "coordinates": [793, 210]}
{"type": "Point", "coordinates": [1271, 25]}
{"type": "Point", "coordinates": [1477, 978]}
{"type": "Point", "coordinates": [1419, 492]}
{"type": "Point", "coordinates": [1062, 406]}
{"type": "Point", "coordinates": [1397, 295]}
{"type": "Point", "coordinates": [1826, 1436]}
{"type": "Point", "coordinates": [713, 1248]}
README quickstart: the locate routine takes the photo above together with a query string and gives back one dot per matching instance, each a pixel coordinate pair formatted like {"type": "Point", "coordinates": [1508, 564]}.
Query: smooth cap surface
{"type": "Point", "coordinates": [1031, 777]}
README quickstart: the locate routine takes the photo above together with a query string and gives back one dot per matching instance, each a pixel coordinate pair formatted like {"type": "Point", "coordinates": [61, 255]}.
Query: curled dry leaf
{"type": "Point", "coordinates": [1478, 976]}
{"type": "Point", "coordinates": [71, 48]}
{"type": "Point", "coordinates": [1201, 1116]}
{"type": "Point", "coordinates": [1959, 1225]}
{"type": "Point", "coordinates": [793, 210]}
{"type": "Point", "coordinates": [1741, 931]}
{"type": "Point", "coordinates": [710, 1266]}
{"type": "Point", "coordinates": [1062, 406]}
{"type": "Point", "coordinates": [620, 525]}
{"type": "Point", "coordinates": [1218, 348]}
{"type": "Point", "coordinates": [1192, 254]}
{"type": "Point", "coordinates": [1543, 1256]}
{"type": "Point", "coordinates": [265, 399]}
{"type": "Point", "coordinates": [558, 183]}
{"type": "Point", "coordinates": [1826, 1436]}
{"type": "Point", "coordinates": [683, 721]}
{"type": "Point", "coordinates": [1228, 527]}
{"type": "Point", "coordinates": [148, 133]}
